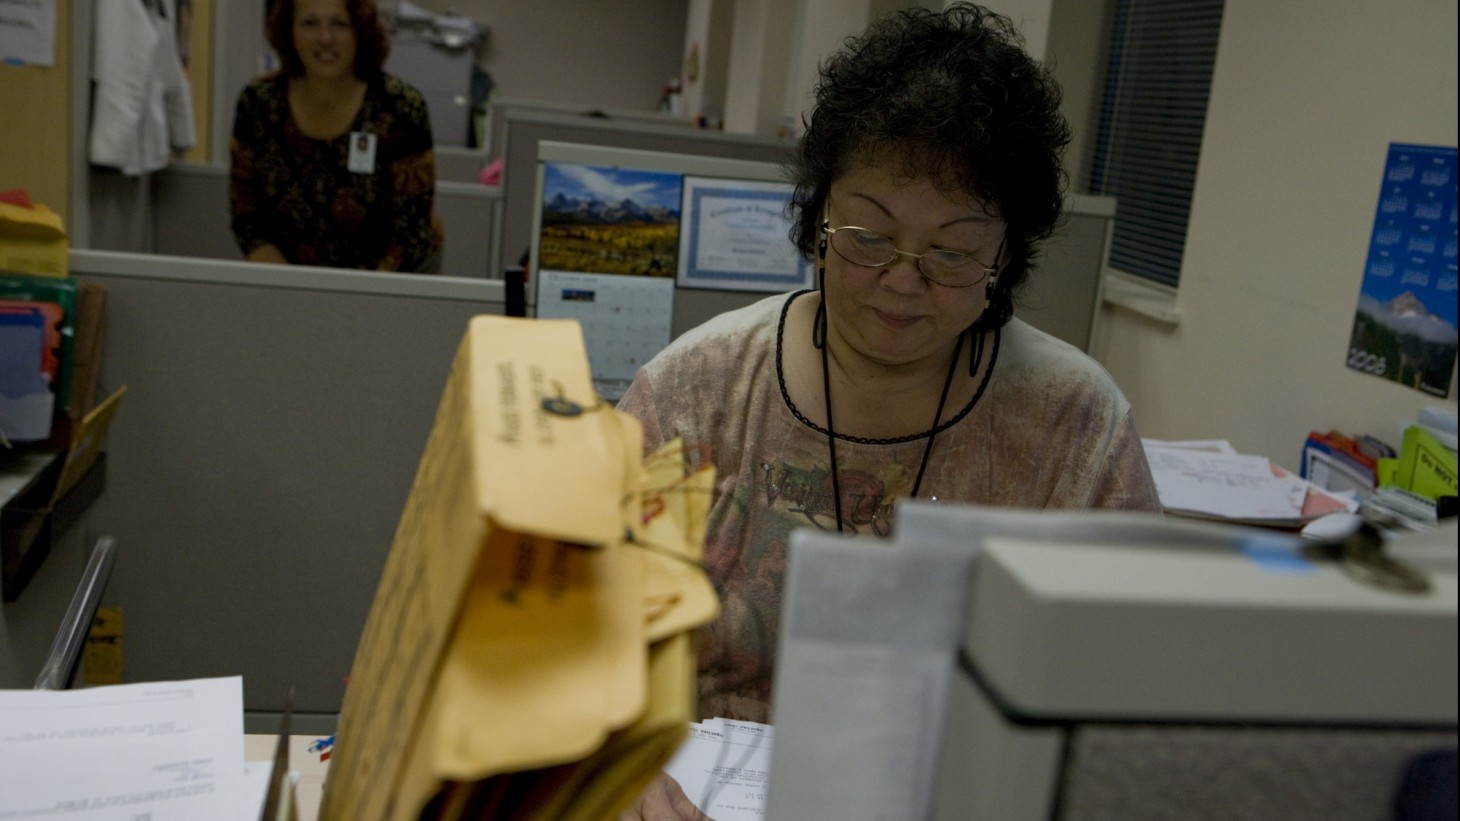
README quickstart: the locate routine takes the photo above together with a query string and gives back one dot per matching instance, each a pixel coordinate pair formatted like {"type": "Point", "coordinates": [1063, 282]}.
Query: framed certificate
{"type": "Point", "coordinates": [735, 235]}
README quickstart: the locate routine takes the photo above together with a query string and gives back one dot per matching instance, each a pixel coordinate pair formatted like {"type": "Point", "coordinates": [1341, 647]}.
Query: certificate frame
{"type": "Point", "coordinates": [735, 235]}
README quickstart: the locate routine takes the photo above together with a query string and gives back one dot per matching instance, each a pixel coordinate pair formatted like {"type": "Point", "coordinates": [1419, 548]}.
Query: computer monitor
{"type": "Point", "coordinates": [640, 246]}
{"type": "Point", "coordinates": [1033, 665]}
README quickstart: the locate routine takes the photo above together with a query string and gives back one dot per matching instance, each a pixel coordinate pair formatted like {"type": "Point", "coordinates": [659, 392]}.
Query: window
{"type": "Point", "coordinates": [1158, 75]}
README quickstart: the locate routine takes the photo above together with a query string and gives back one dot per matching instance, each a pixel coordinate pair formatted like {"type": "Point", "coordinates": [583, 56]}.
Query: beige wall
{"type": "Point", "coordinates": [821, 27]}
{"type": "Point", "coordinates": [1306, 97]}
{"type": "Point", "coordinates": [35, 137]}
{"type": "Point", "coordinates": [762, 47]}
{"type": "Point", "coordinates": [1033, 19]}
{"type": "Point", "coordinates": [1075, 54]}
{"type": "Point", "coordinates": [595, 54]}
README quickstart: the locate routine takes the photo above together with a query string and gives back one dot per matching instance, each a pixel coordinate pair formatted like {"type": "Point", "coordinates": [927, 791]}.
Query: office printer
{"type": "Point", "coordinates": [1028, 665]}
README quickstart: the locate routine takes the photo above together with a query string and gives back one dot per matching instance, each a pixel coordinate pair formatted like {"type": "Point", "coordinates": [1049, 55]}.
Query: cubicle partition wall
{"type": "Point", "coordinates": [184, 213]}
{"type": "Point", "coordinates": [504, 108]}
{"type": "Point", "coordinates": [190, 218]}
{"type": "Point", "coordinates": [454, 164]}
{"type": "Point", "coordinates": [1062, 295]}
{"type": "Point", "coordinates": [191, 213]}
{"type": "Point", "coordinates": [261, 458]}
{"type": "Point", "coordinates": [523, 130]}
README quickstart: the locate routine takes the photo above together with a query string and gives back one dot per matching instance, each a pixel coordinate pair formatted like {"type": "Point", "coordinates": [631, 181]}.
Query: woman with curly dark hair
{"type": "Point", "coordinates": [332, 158]}
{"type": "Point", "coordinates": [927, 177]}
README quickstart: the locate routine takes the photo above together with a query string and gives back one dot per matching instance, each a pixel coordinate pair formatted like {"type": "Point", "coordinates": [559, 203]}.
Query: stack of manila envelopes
{"type": "Point", "coordinates": [528, 654]}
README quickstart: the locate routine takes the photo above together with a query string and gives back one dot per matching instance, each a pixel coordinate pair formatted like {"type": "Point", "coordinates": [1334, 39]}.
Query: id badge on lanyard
{"type": "Point", "coordinates": [362, 152]}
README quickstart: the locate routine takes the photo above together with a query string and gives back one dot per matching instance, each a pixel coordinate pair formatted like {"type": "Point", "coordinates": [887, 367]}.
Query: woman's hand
{"type": "Point", "coordinates": [663, 800]}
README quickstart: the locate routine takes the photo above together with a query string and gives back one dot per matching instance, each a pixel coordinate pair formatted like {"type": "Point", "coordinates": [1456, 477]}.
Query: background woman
{"type": "Point", "coordinates": [332, 158]}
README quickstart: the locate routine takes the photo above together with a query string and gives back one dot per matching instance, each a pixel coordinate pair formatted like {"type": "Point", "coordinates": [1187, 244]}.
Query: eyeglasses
{"type": "Point", "coordinates": [951, 269]}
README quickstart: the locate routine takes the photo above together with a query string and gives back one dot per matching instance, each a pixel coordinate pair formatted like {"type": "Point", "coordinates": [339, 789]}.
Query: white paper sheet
{"type": "Point", "coordinates": [1211, 445]}
{"type": "Point", "coordinates": [164, 751]}
{"type": "Point", "coordinates": [724, 767]}
{"type": "Point", "coordinates": [1235, 486]}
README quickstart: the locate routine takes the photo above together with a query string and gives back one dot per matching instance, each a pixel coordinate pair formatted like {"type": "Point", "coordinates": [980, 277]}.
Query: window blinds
{"type": "Point", "coordinates": [1148, 138]}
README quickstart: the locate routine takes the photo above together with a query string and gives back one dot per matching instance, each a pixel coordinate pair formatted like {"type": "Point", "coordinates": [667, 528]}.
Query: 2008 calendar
{"type": "Point", "coordinates": [625, 320]}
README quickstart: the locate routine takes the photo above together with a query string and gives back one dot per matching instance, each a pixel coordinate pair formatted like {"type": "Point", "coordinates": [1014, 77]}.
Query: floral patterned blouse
{"type": "Point", "coordinates": [1052, 431]}
{"type": "Point", "coordinates": [300, 194]}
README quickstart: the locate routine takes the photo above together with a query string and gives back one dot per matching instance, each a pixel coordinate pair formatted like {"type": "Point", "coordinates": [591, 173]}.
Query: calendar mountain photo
{"type": "Point", "coordinates": [563, 209]}
{"type": "Point", "coordinates": [608, 220]}
{"type": "Point", "coordinates": [1404, 341]}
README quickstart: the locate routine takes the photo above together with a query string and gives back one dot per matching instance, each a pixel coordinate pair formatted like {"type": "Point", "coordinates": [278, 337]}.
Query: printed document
{"type": "Point", "coordinates": [164, 751]}
{"type": "Point", "coordinates": [724, 768]}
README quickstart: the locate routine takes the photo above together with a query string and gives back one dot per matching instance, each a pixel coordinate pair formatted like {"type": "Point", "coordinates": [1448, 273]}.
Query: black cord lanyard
{"type": "Point", "coordinates": [818, 340]}
{"type": "Point", "coordinates": [836, 486]}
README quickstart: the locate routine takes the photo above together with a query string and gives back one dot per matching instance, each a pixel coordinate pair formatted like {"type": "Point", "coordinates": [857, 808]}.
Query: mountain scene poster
{"type": "Point", "coordinates": [1405, 326]}
{"type": "Point", "coordinates": [603, 220]}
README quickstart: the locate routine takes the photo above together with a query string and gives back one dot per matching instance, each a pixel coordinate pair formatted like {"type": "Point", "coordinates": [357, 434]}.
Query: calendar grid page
{"type": "Point", "coordinates": [625, 320]}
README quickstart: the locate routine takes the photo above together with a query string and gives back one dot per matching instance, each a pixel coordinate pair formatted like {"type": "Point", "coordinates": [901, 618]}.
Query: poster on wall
{"type": "Point", "coordinates": [28, 32]}
{"type": "Point", "coordinates": [1405, 326]}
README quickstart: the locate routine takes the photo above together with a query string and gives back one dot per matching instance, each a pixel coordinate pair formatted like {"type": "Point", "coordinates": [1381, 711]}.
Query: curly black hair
{"type": "Point", "coordinates": [950, 96]}
{"type": "Point", "coordinates": [372, 43]}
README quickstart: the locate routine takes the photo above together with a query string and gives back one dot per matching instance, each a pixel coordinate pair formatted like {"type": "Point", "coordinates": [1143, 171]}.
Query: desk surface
{"type": "Point", "coordinates": [311, 770]}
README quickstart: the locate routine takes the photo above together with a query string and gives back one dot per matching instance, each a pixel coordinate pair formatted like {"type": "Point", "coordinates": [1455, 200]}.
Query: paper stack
{"type": "Point", "coordinates": [1209, 479]}
{"type": "Point", "coordinates": [528, 653]}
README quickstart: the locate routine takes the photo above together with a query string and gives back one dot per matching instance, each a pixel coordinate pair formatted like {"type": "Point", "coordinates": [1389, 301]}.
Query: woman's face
{"type": "Point", "coordinates": [324, 38]}
{"type": "Point", "coordinates": [893, 315]}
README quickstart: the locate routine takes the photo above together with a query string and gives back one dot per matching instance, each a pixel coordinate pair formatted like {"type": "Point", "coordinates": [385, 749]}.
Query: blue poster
{"type": "Point", "coordinates": [1405, 325]}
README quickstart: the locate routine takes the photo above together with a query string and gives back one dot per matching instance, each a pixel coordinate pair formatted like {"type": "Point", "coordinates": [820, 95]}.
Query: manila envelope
{"type": "Point", "coordinates": [507, 631]}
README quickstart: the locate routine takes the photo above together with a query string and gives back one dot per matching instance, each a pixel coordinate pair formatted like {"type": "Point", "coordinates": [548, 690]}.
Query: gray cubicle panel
{"type": "Point", "coordinates": [1063, 293]}
{"type": "Point", "coordinates": [455, 164]}
{"type": "Point", "coordinates": [191, 214]}
{"type": "Point", "coordinates": [190, 210]}
{"type": "Point", "coordinates": [523, 130]}
{"type": "Point", "coordinates": [261, 458]}
{"type": "Point", "coordinates": [504, 108]}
